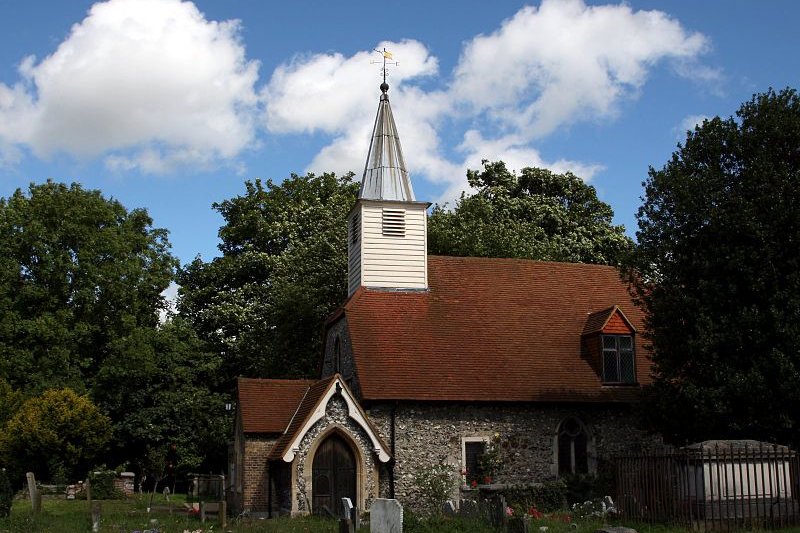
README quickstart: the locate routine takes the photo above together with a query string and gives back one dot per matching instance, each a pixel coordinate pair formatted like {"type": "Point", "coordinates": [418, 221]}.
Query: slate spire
{"type": "Point", "coordinates": [385, 175]}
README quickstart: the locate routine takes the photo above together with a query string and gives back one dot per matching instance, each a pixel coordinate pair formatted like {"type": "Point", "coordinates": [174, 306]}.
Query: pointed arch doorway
{"type": "Point", "coordinates": [334, 476]}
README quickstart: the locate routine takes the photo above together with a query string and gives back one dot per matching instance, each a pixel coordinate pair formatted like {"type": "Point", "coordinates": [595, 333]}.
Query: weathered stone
{"type": "Point", "coordinates": [347, 508]}
{"type": "Point", "coordinates": [448, 508]}
{"type": "Point", "coordinates": [386, 516]}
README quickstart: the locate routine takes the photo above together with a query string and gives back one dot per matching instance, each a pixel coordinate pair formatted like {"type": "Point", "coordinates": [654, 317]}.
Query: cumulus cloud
{"type": "Point", "coordinates": [542, 69]}
{"type": "Point", "coordinates": [152, 78]}
{"type": "Point", "coordinates": [151, 85]}
{"type": "Point", "coordinates": [565, 61]}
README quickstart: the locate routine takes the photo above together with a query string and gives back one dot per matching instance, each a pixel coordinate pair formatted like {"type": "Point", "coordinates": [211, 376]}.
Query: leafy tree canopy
{"type": "Point", "coordinates": [283, 271]}
{"type": "Point", "coordinates": [77, 271]}
{"type": "Point", "coordinates": [160, 388]}
{"type": "Point", "coordinates": [718, 273]}
{"type": "Point", "coordinates": [59, 434]}
{"type": "Point", "coordinates": [536, 215]}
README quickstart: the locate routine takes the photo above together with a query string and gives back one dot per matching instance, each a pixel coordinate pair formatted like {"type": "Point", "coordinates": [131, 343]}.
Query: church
{"type": "Point", "coordinates": [435, 361]}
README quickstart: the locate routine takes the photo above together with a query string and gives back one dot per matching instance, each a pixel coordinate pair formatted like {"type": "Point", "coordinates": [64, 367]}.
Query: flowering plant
{"type": "Point", "coordinates": [490, 460]}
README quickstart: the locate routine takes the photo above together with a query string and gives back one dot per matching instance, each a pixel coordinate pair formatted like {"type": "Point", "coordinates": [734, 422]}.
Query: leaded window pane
{"type": "Point", "coordinates": [609, 342]}
{"type": "Point", "coordinates": [610, 369]}
{"type": "Point", "coordinates": [626, 368]}
{"type": "Point", "coordinates": [625, 343]}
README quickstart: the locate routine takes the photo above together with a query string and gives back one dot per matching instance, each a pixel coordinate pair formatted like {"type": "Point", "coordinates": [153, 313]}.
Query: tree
{"type": "Point", "coordinates": [77, 271]}
{"type": "Point", "coordinates": [283, 270]}
{"type": "Point", "coordinates": [536, 215]}
{"type": "Point", "coordinates": [717, 272]}
{"type": "Point", "coordinates": [160, 387]}
{"type": "Point", "coordinates": [59, 434]}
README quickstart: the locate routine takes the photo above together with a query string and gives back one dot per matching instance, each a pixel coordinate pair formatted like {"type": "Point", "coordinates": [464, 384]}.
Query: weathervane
{"type": "Point", "coordinates": [385, 55]}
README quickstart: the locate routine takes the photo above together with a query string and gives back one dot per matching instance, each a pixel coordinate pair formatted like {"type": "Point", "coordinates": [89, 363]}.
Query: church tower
{"type": "Point", "coordinates": [387, 229]}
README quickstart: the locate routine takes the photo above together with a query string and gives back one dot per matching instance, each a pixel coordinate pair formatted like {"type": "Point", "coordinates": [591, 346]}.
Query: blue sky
{"type": "Point", "coordinates": [170, 105]}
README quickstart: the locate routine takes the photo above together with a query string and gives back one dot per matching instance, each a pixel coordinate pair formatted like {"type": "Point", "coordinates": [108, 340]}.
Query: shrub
{"type": "Point", "coordinates": [102, 485]}
{"type": "Point", "coordinates": [59, 433]}
{"type": "Point", "coordinates": [6, 494]}
{"type": "Point", "coordinates": [585, 487]}
{"type": "Point", "coordinates": [546, 497]}
{"type": "Point", "coordinates": [434, 485]}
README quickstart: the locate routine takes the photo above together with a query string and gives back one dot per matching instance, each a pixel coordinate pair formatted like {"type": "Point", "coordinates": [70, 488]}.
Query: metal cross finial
{"type": "Point", "coordinates": [385, 55]}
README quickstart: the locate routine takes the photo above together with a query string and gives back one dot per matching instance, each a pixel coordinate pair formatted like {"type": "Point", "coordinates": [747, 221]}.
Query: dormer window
{"type": "Point", "coordinates": [618, 359]}
{"type": "Point", "coordinates": [609, 342]}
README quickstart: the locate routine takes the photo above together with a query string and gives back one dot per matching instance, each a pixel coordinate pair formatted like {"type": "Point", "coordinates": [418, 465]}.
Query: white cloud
{"type": "Point", "coordinates": [149, 76]}
{"type": "Point", "coordinates": [566, 61]}
{"type": "Point", "coordinates": [540, 70]}
{"type": "Point", "coordinates": [325, 92]}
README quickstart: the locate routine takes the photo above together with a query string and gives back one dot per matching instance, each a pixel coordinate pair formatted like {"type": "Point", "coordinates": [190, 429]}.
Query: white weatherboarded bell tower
{"type": "Point", "coordinates": [387, 229]}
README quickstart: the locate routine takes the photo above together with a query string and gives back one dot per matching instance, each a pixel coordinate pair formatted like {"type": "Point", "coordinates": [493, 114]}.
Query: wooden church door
{"type": "Point", "coordinates": [333, 476]}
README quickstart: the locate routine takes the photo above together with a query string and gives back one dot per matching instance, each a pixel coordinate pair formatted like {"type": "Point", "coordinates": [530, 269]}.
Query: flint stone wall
{"type": "Point", "coordinates": [427, 434]}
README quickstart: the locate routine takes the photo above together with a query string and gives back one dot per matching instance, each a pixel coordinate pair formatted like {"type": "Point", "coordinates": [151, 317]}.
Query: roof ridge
{"type": "Point", "coordinates": [473, 258]}
{"type": "Point", "coordinates": [299, 404]}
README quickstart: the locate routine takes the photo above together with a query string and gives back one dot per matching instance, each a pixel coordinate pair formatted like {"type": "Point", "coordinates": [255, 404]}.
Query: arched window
{"type": "Point", "coordinates": [573, 443]}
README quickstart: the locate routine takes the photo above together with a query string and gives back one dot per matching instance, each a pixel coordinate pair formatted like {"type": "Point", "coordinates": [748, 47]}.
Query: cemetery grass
{"type": "Point", "coordinates": [127, 516]}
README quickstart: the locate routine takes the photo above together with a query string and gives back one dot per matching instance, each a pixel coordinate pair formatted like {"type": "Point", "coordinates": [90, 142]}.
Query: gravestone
{"type": "Point", "coordinates": [448, 508]}
{"type": "Point", "coordinates": [71, 490]}
{"type": "Point", "coordinates": [347, 508]}
{"type": "Point", "coordinates": [33, 491]}
{"type": "Point", "coordinates": [386, 516]}
{"type": "Point", "coordinates": [346, 522]}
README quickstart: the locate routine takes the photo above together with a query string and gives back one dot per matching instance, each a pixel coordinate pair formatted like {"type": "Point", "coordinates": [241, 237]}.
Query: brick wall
{"type": "Point", "coordinates": [256, 450]}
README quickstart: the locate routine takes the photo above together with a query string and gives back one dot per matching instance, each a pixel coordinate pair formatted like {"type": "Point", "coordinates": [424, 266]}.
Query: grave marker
{"type": "Point", "coordinates": [386, 516]}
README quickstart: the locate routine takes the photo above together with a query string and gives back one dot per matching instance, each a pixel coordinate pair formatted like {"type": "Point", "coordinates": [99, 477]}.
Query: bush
{"type": "Point", "coordinates": [585, 487]}
{"type": "Point", "coordinates": [434, 485]}
{"type": "Point", "coordinates": [546, 497]}
{"type": "Point", "coordinates": [6, 494]}
{"type": "Point", "coordinates": [102, 485]}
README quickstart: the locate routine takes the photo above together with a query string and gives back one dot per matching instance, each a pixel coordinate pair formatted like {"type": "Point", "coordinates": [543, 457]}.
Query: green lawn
{"type": "Point", "coordinates": [62, 516]}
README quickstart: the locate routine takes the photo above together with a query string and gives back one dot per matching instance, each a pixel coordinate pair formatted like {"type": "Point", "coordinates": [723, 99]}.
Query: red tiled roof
{"type": "Point", "coordinates": [598, 321]}
{"type": "Point", "coordinates": [304, 409]}
{"type": "Point", "coordinates": [268, 405]}
{"type": "Point", "coordinates": [489, 330]}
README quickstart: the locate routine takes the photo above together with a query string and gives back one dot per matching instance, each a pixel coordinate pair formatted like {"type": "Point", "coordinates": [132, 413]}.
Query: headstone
{"type": "Point", "coordinates": [386, 516]}
{"type": "Point", "coordinates": [347, 508]}
{"type": "Point", "coordinates": [448, 508]}
{"type": "Point", "coordinates": [127, 482]}
{"type": "Point", "coordinates": [71, 490]}
{"type": "Point", "coordinates": [33, 492]}
{"type": "Point", "coordinates": [346, 523]}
